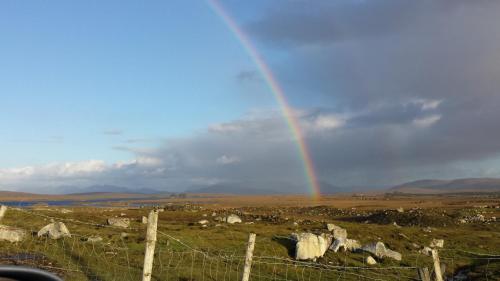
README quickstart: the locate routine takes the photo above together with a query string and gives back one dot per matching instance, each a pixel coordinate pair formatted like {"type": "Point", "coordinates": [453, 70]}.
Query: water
{"type": "Point", "coordinates": [93, 202]}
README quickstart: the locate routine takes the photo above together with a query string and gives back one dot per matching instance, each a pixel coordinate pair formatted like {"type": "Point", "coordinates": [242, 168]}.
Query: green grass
{"type": "Point", "coordinates": [216, 252]}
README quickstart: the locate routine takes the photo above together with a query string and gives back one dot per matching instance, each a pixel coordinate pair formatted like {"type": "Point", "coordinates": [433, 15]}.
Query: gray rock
{"type": "Point", "coordinates": [119, 222]}
{"type": "Point", "coordinates": [11, 234]}
{"type": "Point", "coordinates": [55, 230]}
{"type": "Point", "coordinates": [144, 220]}
{"type": "Point", "coordinates": [347, 244]}
{"type": "Point", "coordinates": [310, 246]}
{"type": "Point", "coordinates": [380, 251]}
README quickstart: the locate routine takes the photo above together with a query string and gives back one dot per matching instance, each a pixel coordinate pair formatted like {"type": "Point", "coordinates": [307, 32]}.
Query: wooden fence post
{"type": "Point", "coordinates": [3, 209]}
{"type": "Point", "coordinates": [248, 257]}
{"type": "Point", "coordinates": [423, 273]}
{"type": "Point", "coordinates": [150, 245]}
{"type": "Point", "coordinates": [437, 266]}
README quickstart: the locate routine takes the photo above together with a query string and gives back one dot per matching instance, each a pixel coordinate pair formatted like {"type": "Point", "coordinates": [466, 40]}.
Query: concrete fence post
{"type": "Point", "coordinates": [248, 257]}
{"type": "Point", "coordinates": [3, 209]}
{"type": "Point", "coordinates": [150, 245]}
{"type": "Point", "coordinates": [437, 266]}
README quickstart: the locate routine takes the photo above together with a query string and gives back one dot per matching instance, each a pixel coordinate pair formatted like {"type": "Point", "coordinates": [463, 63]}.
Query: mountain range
{"type": "Point", "coordinates": [430, 186]}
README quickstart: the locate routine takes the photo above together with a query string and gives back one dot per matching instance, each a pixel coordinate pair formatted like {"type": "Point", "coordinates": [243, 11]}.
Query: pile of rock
{"type": "Point", "coordinates": [341, 240]}
{"type": "Point", "coordinates": [310, 246]}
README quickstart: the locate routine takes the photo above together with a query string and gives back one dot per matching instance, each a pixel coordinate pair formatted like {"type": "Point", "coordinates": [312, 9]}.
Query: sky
{"type": "Point", "coordinates": [162, 95]}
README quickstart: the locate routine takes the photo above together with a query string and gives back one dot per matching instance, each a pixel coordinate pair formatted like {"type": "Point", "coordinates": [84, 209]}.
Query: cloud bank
{"type": "Point", "coordinates": [409, 90]}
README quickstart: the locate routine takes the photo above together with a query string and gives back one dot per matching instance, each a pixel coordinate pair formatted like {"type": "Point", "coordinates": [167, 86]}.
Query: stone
{"type": "Point", "coordinates": [11, 234]}
{"type": "Point", "coordinates": [94, 239]}
{"type": "Point", "coordinates": [310, 246]}
{"type": "Point", "coordinates": [347, 244]}
{"type": "Point", "coordinates": [144, 220]}
{"type": "Point", "coordinates": [370, 260]}
{"type": "Point", "coordinates": [426, 251]}
{"type": "Point", "coordinates": [55, 230]}
{"type": "Point", "coordinates": [119, 222]}
{"type": "Point", "coordinates": [124, 235]}
{"type": "Point", "coordinates": [427, 229]}
{"type": "Point", "coordinates": [437, 243]}
{"type": "Point", "coordinates": [400, 210]}
{"type": "Point", "coordinates": [380, 251]}
{"type": "Point", "coordinates": [65, 211]}
{"type": "Point", "coordinates": [233, 219]}
{"type": "Point", "coordinates": [203, 222]}
{"type": "Point", "coordinates": [338, 232]}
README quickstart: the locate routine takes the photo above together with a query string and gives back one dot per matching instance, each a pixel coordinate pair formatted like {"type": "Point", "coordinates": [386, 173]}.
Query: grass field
{"type": "Point", "coordinates": [187, 251]}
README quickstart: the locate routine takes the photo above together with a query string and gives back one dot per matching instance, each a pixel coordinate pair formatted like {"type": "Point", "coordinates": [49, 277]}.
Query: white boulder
{"type": "Point", "coordinates": [347, 244]}
{"type": "Point", "coordinates": [11, 234]}
{"type": "Point", "coordinates": [380, 251]}
{"type": "Point", "coordinates": [310, 246]}
{"type": "Point", "coordinates": [370, 261]}
{"type": "Point", "coordinates": [203, 222]}
{"type": "Point", "coordinates": [338, 232]}
{"type": "Point", "coordinates": [144, 220]}
{"type": "Point", "coordinates": [119, 222]}
{"type": "Point", "coordinates": [233, 219]}
{"type": "Point", "coordinates": [54, 230]}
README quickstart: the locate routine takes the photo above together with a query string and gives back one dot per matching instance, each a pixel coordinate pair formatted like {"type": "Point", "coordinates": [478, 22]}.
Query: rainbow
{"type": "Point", "coordinates": [278, 93]}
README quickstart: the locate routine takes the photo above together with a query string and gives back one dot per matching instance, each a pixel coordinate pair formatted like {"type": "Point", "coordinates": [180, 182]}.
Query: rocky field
{"type": "Point", "coordinates": [198, 241]}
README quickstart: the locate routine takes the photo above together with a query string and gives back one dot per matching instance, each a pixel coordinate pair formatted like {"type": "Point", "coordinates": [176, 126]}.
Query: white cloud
{"type": "Point", "coordinates": [426, 121]}
{"type": "Point", "coordinates": [427, 104]}
{"type": "Point", "coordinates": [225, 128]}
{"type": "Point", "coordinates": [226, 160]}
{"type": "Point", "coordinates": [321, 122]}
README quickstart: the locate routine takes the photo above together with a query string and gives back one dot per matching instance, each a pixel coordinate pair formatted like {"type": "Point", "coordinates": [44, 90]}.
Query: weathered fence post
{"type": "Point", "coordinates": [423, 274]}
{"type": "Point", "coordinates": [437, 266]}
{"type": "Point", "coordinates": [3, 209]}
{"type": "Point", "coordinates": [150, 245]}
{"type": "Point", "coordinates": [248, 257]}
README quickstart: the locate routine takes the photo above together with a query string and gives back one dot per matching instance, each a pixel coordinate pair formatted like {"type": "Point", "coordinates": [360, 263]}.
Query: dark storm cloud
{"type": "Point", "coordinates": [375, 57]}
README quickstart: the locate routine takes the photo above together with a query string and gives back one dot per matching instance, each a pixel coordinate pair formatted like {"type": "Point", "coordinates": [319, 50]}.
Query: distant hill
{"type": "Point", "coordinates": [449, 186]}
{"type": "Point", "coordinates": [96, 189]}
{"type": "Point", "coordinates": [249, 188]}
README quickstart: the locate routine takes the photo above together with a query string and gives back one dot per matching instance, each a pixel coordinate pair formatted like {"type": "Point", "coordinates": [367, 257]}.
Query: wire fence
{"type": "Point", "coordinates": [97, 251]}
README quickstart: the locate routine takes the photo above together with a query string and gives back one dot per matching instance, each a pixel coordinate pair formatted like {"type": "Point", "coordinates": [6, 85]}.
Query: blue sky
{"type": "Point", "coordinates": [71, 71]}
{"type": "Point", "coordinates": [160, 94]}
